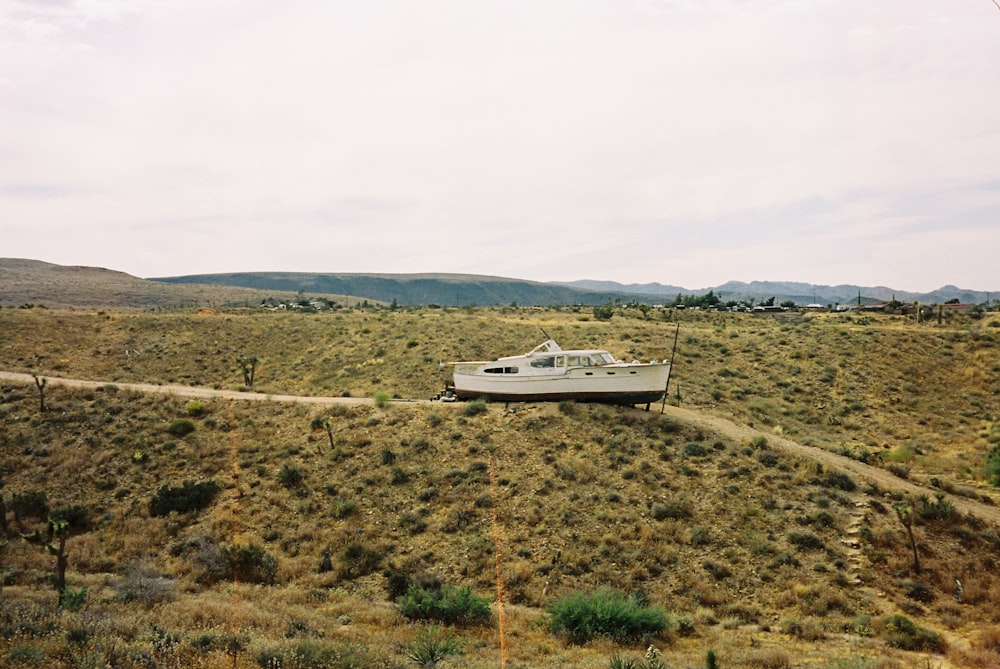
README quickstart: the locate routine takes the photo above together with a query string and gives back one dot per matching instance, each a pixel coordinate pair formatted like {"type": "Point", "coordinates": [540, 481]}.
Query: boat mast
{"type": "Point", "coordinates": [670, 370]}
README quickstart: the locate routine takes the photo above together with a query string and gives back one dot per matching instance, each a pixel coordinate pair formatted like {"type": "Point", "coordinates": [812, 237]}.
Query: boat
{"type": "Point", "coordinates": [548, 373]}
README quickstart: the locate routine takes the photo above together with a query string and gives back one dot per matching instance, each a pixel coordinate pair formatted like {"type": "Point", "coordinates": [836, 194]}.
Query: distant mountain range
{"type": "Point", "coordinates": [800, 293]}
{"type": "Point", "coordinates": [467, 289]}
{"type": "Point", "coordinates": [32, 281]}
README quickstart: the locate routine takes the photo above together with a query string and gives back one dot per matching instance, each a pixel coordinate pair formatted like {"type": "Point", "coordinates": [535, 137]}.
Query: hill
{"type": "Point", "coordinates": [310, 519]}
{"type": "Point", "coordinates": [24, 281]}
{"type": "Point", "coordinates": [413, 289]}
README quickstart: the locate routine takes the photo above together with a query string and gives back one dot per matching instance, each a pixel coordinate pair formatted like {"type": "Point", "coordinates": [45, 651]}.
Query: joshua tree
{"type": "Point", "coordinates": [62, 523]}
{"type": "Point", "coordinates": [248, 363]}
{"type": "Point", "coordinates": [324, 424]}
{"type": "Point", "coordinates": [40, 381]}
{"type": "Point", "coordinates": [55, 543]}
{"type": "Point", "coordinates": [905, 514]}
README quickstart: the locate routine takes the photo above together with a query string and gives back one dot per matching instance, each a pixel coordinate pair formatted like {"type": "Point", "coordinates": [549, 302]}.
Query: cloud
{"type": "Point", "coordinates": [557, 139]}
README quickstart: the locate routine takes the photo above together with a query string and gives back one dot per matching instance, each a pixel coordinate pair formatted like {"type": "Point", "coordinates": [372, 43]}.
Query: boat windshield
{"type": "Point", "coordinates": [602, 358]}
{"type": "Point", "coordinates": [549, 361]}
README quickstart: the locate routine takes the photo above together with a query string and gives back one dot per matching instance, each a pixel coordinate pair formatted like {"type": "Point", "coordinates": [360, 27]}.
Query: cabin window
{"type": "Point", "coordinates": [500, 370]}
{"type": "Point", "coordinates": [547, 361]}
{"type": "Point", "coordinates": [561, 361]}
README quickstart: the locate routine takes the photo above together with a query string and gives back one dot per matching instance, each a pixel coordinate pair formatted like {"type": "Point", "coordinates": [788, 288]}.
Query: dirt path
{"type": "Point", "coordinates": [191, 391]}
{"type": "Point", "coordinates": [880, 477]}
{"type": "Point", "coordinates": [728, 428]}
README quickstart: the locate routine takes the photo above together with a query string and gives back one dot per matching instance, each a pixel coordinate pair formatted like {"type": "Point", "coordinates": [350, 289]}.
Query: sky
{"type": "Point", "coordinates": [685, 142]}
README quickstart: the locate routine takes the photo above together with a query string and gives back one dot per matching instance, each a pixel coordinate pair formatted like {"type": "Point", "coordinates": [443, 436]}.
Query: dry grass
{"type": "Point", "coordinates": [586, 495]}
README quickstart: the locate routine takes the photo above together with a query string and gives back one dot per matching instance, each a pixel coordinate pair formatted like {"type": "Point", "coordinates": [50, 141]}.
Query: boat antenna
{"type": "Point", "coordinates": [545, 333]}
{"type": "Point", "coordinates": [663, 404]}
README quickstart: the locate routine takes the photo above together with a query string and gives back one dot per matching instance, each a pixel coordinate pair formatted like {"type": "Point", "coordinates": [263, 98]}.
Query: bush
{"type": "Point", "coordinates": [181, 427]}
{"type": "Point", "coordinates": [32, 504]}
{"type": "Point", "coordinates": [718, 571]}
{"type": "Point", "coordinates": [806, 541]}
{"type": "Point", "coordinates": [195, 408]}
{"type": "Point", "coordinates": [248, 564]}
{"type": "Point", "coordinates": [606, 613]}
{"type": "Point", "coordinates": [290, 477]}
{"type": "Point", "coordinates": [359, 560]}
{"type": "Point", "coordinates": [140, 584]}
{"type": "Point", "coordinates": [189, 497]}
{"type": "Point", "coordinates": [474, 408]}
{"type": "Point", "coordinates": [382, 399]}
{"type": "Point", "coordinates": [841, 481]}
{"type": "Point", "coordinates": [992, 468]}
{"type": "Point", "coordinates": [675, 508]}
{"type": "Point", "coordinates": [604, 312]}
{"type": "Point", "coordinates": [694, 449]}
{"type": "Point", "coordinates": [431, 646]}
{"type": "Point", "coordinates": [435, 601]}
{"type": "Point", "coordinates": [901, 632]}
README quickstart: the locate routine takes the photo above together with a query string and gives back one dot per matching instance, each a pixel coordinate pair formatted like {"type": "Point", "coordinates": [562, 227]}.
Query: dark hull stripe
{"type": "Point", "coordinates": [639, 397]}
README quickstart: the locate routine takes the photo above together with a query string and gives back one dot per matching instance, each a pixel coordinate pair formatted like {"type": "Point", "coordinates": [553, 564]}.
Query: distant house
{"type": "Point", "coordinates": [955, 308]}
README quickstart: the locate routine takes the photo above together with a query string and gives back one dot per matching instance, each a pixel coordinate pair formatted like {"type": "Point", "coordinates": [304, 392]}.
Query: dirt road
{"type": "Point", "coordinates": [880, 477]}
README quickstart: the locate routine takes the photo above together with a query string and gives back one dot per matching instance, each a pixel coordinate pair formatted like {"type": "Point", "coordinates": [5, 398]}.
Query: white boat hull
{"type": "Point", "coordinates": [621, 383]}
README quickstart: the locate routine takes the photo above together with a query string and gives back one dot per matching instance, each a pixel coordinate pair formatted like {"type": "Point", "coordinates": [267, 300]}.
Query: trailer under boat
{"type": "Point", "coordinates": [549, 373]}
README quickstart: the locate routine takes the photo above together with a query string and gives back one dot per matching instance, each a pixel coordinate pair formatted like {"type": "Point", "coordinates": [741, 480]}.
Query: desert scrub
{"type": "Point", "coordinates": [432, 600]}
{"type": "Point", "coordinates": [605, 612]}
{"type": "Point", "coordinates": [474, 408]}
{"type": "Point", "coordinates": [185, 499]}
{"type": "Point", "coordinates": [901, 632]}
{"type": "Point", "coordinates": [181, 427]}
{"type": "Point", "coordinates": [248, 564]}
{"type": "Point", "coordinates": [431, 646]}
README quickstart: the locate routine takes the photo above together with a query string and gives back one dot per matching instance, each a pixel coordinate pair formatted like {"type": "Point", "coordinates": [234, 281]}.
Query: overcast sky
{"type": "Point", "coordinates": [688, 142]}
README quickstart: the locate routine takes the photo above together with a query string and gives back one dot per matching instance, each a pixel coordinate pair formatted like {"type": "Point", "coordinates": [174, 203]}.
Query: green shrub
{"type": "Point", "coordinates": [992, 468]}
{"type": "Point", "coordinates": [382, 399]}
{"type": "Point", "coordinates": [901, 632]}
{"type": "Point", "coordinates": [31, 504]}
{"type": "Point", "coordinates": [187, 498]}
{"type": "Point", "coordinates": [181, 427]}
{"type": "Point", "coordinates": [806, 541]}
{"type": "Point", "coordinates": [248, 564]}
{"type": "Point", "coordinates": [606, 613]}
{"type": "Point", "coordinates": [675, 508]}
{"type": "Point", "coordinates": [431, 646]}
{"type": "Point", "coordinates": [342, 508]}
{"type": "Point", "coordinates": [693, 449]}
{"type": "Point", "coordinates": [841, 481]}
{"type": "Point", "coordinates": [453, 606]}
{"type": "Point", "coordinates": [290, 477]}
{"type": "Point", "coordinates": [604, 312]}
{"type": "Point", "coordinates": [359, 560]}
{"type": "Point", "coordinates": [474, 408]}
{"type": "Point", "coordinates": [195, 408]}
{"type": "Point", "coordinates": [73, 599]}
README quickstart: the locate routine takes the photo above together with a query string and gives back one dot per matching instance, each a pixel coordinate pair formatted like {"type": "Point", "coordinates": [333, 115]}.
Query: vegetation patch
{"type": "Point", "coordinates": [605, 613]}
{"type": "Point", "coordinates": [187, 498]}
